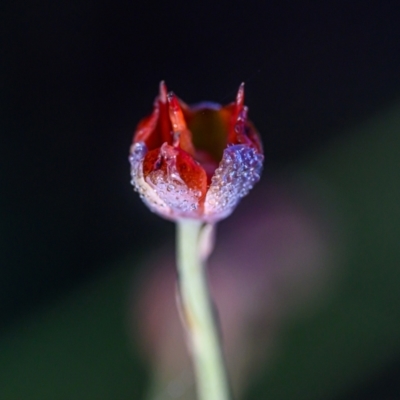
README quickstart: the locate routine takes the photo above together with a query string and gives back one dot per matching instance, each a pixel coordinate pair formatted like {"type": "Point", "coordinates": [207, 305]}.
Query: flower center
{"type": "Point", "coordinates": [209, 135]}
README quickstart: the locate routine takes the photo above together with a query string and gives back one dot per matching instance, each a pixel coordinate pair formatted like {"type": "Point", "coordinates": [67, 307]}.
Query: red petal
{"type": "Point", "coordinates": [155, 129]}
{"type": "Point", "coordinates": [167, 159]}
{"type": "Point", "coordinates": [182, 135]}
{"type": "Point", "coordinates": [145, 130]}
{"type": "Point", "coordinates": [164, 123]}
{"type": "Point", "coordinates": [192, 173]}
{"type": "Point", "coordinates": [241, 131]}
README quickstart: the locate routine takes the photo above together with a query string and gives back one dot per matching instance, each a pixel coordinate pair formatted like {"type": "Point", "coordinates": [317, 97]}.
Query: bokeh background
{"type": "Point", "coordinates": [323, 88]}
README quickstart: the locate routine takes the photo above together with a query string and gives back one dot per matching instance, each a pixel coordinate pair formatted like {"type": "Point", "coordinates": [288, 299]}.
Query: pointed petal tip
{"type": "Point", "coordinates": [173, 101]}
{"type": "Point", "coordinates": [240, 95]}
{"type": "Point", "coordinates": [163, 92]}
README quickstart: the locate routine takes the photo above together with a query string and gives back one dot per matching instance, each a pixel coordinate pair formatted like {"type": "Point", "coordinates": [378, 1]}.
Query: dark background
{"type": "Point", "coordinates": [78, 76]}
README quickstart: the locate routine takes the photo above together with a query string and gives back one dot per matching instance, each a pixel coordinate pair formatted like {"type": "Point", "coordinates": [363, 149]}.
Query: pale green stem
{"type": "Point", "coordinates": [205, 347]}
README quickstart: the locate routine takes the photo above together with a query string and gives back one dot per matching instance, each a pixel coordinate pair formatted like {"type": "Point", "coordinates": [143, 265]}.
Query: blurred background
{"type": "Point", "coordinates": [82, 259]}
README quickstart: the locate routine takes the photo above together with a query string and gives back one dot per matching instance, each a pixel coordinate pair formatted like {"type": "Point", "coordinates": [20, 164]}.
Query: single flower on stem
{"type": "Point", "coordinates": [192, 165]}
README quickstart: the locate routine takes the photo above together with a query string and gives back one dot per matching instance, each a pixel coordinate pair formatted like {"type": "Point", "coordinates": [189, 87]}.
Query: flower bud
{"type": "Point", "coordinates": [195, 162]}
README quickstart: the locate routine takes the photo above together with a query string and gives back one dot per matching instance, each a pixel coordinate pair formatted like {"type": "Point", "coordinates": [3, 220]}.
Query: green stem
{"type": "Point", "coordinates": [197, 309]}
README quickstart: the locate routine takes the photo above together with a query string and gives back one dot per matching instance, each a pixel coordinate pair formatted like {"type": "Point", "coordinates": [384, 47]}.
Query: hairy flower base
{"type": "Point", "coordinates": [166, 193]}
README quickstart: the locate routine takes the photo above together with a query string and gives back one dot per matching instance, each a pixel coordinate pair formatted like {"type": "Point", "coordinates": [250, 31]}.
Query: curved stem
{"type": "Point", "coordinates": [198, 315]}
